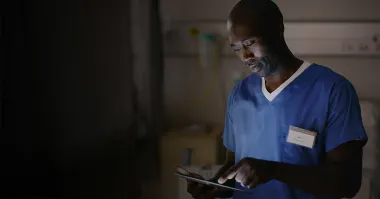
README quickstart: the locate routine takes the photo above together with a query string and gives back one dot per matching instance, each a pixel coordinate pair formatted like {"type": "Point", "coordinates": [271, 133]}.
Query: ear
{"type": "Point", "coordinates": [229, 25]}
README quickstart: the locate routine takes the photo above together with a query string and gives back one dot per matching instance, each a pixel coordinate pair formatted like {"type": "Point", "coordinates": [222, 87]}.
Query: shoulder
{"type": "Point", "coordinates": [330, 80]}
{"type": "Point", "coordinates": [243, 87]}
{"type": "Point", "coordinates": [326, 75]}
{"type": "Point", "coordinates": [233, 93]}
{"type": "Point", "coordinates": [335, 86]}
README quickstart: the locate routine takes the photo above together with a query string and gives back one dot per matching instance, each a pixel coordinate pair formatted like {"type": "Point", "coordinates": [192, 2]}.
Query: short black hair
{"type": "Point", "coordinates": [263, 14]}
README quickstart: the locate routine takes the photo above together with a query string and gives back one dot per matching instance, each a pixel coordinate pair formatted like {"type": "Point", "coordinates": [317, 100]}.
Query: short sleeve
{"type": "Point", "coordinates": [228, 134]}
{"type": "Point", "coordinates": [344, 121]}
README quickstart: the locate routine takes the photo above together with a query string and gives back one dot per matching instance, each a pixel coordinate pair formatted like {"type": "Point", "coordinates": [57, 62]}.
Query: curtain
{"type": "Point", "coordinates": [81, 64]}
{"type": "Point", "coordinates": [68, 113]}
{"type": "Point", "coordinates": [148, 79]}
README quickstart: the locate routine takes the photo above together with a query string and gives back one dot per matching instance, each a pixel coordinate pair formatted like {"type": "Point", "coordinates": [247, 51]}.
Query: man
{"type": "Point", "coordinates": [293, 129]}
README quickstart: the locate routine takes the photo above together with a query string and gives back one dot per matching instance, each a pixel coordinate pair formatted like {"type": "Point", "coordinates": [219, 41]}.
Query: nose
{"type": "Point", "coordinates": [247, 53]}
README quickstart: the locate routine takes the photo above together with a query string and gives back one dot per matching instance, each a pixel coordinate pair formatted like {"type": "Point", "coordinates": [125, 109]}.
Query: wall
{"type": "Point", "coordinates": [183, 80]}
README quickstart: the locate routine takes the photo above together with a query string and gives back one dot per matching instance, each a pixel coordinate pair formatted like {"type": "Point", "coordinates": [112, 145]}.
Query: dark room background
{"type": "Point", "coordinates": [72, 113]}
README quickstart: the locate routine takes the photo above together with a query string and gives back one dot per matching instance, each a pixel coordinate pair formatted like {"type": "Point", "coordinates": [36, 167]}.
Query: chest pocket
{"type": "Point", "coordinates": [295, 153]}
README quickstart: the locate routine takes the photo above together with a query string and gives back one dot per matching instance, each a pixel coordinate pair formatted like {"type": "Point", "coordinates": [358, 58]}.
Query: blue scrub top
{"type": "Point", "coordinates": [318, 100]}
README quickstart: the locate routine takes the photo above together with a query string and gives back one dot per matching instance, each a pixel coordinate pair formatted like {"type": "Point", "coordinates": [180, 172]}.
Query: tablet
{"type": "Point", "coordinates": [209, 183]}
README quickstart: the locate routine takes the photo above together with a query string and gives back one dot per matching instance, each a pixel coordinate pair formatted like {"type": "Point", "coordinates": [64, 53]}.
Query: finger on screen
{"type": "Point", "coordinates": [229, 174]}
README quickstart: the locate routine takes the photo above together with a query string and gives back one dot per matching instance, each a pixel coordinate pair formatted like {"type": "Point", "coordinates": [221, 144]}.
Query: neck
{"type": "Point", "coordinates": [290, 65]}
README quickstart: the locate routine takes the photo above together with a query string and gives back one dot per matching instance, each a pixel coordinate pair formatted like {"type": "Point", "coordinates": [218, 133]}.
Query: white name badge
{"type": "Point", "coordinates": [301, 137]}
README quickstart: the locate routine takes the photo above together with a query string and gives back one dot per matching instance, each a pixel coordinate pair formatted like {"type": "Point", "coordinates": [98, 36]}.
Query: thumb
{"type": "Point", "coordinates": [194, 175]}
{"type": "Point", "coordinates": [229, 174]}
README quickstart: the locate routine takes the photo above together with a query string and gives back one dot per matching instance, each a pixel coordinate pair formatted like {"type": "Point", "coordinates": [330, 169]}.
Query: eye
{"type": "Point", "coordinates": [235, 48]}
{"type": "Point", "coordinates": [248, 43]}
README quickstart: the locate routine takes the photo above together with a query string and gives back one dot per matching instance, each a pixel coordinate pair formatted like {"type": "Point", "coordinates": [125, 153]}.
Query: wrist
{"type": "Point", "coordinates": [271, 169]}
{"type": "Point", "coordinates": [275, 169]}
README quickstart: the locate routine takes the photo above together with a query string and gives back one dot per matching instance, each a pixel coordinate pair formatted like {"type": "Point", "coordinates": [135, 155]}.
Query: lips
{"type": "Point", "coordinates": [250, 62]}
{"type": "Point", "coordinates": [255, 69]}
{"type": "Point", "coordinates": [253, 65]}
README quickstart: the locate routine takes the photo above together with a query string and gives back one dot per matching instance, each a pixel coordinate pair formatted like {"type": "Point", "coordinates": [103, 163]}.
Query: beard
{"type": "Point", "coordinates": [266, 66]}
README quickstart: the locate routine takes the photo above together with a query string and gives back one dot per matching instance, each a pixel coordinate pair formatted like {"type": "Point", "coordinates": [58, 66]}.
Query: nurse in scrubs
{"type": "Point", "coordinates": [293, 129]}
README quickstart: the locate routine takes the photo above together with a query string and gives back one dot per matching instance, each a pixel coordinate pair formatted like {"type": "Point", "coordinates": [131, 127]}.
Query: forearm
{"type": "Point", "coordinates": [323, 180]}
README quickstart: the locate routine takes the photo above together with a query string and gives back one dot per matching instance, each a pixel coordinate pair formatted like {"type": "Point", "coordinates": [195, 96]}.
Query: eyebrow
{"type": "Point", "coordinates": [248, 39]}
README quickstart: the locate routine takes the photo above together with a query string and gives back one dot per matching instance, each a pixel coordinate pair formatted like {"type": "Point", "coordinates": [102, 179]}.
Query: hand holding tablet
{"type": "Point", "coordinates": [196, 178]}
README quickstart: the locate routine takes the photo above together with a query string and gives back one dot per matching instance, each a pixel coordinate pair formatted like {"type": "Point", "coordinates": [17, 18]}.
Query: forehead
{"type": "Point", "coordinates": [241, 32]}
